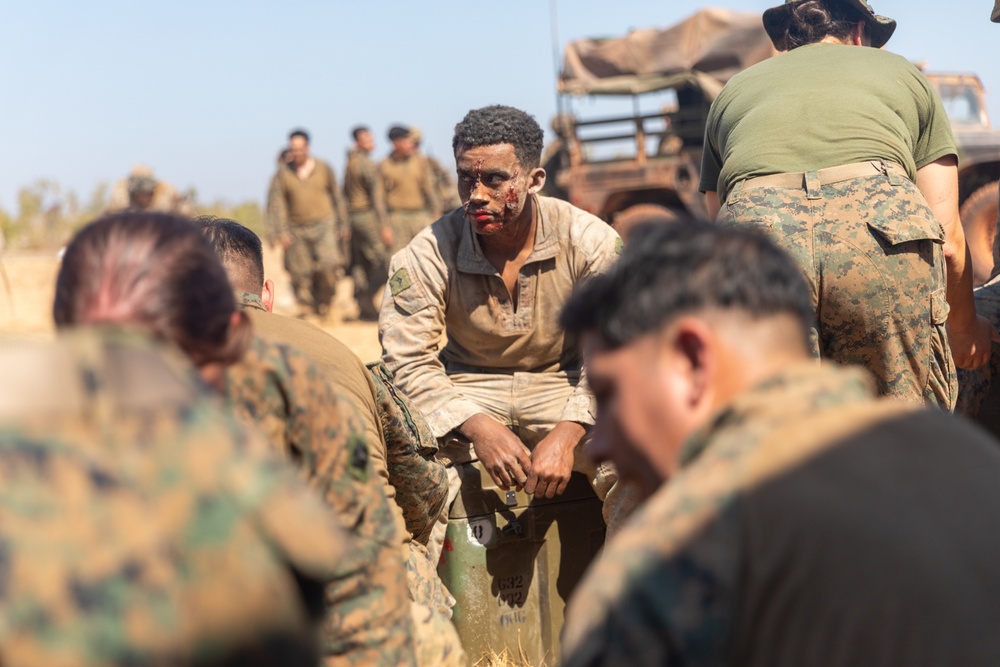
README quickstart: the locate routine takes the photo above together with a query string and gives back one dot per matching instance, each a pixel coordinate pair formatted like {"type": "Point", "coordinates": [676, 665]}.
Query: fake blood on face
{"type": "Point", "coordinates": [512, 199]}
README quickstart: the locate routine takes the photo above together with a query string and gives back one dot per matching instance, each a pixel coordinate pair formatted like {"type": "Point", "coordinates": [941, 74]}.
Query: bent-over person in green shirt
{"type": "Point", "coordinates": [844, 156]}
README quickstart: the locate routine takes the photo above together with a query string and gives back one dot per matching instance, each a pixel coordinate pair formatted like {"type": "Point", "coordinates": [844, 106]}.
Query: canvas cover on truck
{"type": "Point", "coordinates": [704, 50]}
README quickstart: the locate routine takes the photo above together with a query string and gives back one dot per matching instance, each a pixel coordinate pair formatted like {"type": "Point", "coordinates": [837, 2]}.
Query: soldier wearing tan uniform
{"type": "Point", "coordinates": [371, 236]}
{"type": "Point", "coordinates": [309, 220]}
{"type": "Point", "coordinates": [802, 520]}
{"type": "Point", "coordinates": [410, 193]}
{"type": "Point", "coordinates": [490, 279]}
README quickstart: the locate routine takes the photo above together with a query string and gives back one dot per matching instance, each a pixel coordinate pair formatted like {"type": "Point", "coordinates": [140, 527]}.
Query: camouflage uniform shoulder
{"type": "Point", "coordinates": [288, 397]}
{"type": "Point", "coordinates": [680, 554]}
{"type": "Point", "coordinates": [421, 483]}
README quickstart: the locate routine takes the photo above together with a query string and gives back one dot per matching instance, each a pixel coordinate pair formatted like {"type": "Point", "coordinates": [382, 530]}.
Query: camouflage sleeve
{"type": "Point", "coordinates": [411, 328]}
{"type": "Point", "coordinates": [661, 593]}
{"type": "Point", "coordinates": [595, 249]}
{"type": "Point", "coordinates": [421, 483]}
{"type": "Point", "coordinates": [368, 607]}
{"type": "Point", "coordinates": [276, 215]}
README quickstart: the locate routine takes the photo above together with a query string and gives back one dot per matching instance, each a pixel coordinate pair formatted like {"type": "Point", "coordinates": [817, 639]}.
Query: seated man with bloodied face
{"type": "Point", "coordinates": [469, 321]}
{"type": "Point", "coordinates": [804, 520]}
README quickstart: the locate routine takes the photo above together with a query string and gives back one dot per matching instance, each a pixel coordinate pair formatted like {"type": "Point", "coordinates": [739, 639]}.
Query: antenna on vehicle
{"type": "Point", "coordinates": [556, 52]}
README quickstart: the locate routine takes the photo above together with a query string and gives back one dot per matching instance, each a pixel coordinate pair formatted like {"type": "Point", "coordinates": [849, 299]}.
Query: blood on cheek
{"type": "Point", "coordinates": [512, 198]}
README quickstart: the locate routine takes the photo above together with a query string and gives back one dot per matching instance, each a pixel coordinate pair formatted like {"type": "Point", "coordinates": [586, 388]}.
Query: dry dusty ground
{"type": "Point", "coordinates": [26, 308]}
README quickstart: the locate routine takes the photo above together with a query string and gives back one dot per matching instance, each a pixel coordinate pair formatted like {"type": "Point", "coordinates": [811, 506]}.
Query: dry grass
{"type": "Point", "coordinates": [506, 659]}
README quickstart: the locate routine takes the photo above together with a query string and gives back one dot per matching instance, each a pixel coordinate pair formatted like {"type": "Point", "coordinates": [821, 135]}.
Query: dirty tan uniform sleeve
{"type": "Point", "coordinates": [596, 249]}
{"type": "Point", "coordinates": [411, 330]}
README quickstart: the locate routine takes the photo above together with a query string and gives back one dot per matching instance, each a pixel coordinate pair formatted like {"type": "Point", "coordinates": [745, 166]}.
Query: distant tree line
{"type": "Point", "coordinates": [47, 214]}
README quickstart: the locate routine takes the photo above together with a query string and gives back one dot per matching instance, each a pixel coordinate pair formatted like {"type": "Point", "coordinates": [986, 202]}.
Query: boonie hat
{"type": "Point", "coordinates": [880, 28]}
{"type": "Point", "coordinates": [141, 183]}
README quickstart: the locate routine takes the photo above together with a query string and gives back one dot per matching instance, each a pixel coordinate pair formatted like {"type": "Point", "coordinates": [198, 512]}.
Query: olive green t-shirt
{"type": "Point", "coordinates": [819, 106]}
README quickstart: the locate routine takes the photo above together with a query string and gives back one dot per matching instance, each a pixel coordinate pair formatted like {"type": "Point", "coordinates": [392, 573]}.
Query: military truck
{"type": "Point", "coordinates": [978, 165]}
{"type": "Point", "coordinates": [645, 163]}
{"type": "Point", "coordinates": [642, 165]}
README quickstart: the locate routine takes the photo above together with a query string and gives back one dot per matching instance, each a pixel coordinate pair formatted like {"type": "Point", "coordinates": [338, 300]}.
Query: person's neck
{"type": "Point", "coordinates": [521, 237]}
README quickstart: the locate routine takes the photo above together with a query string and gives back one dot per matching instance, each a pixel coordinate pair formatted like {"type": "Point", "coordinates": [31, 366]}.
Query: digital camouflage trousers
{"type": "Point", "coordinates": [871, 250]}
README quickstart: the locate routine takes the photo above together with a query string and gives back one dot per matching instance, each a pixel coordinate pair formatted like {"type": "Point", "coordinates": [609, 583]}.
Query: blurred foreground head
{"type": "Point", "coordinates": [156, 272]}
{"type": "Point", "coordinates": [691, 315]}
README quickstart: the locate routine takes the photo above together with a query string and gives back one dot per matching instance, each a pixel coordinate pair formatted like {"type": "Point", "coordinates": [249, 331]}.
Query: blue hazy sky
{"type": "Point", "coordinates": [205, 92]}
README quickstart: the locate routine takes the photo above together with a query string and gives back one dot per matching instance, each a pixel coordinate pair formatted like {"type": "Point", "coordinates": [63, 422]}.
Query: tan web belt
{"type": "Point", "coordinates": [829, 176]}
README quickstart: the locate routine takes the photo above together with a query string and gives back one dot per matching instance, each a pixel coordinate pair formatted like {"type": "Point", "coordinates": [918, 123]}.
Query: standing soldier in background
{"type": "Point", "coordinates": [142, 192]}
{"type": "Point", "coordinates": [410, 194]}
{"type": "Point", "coordinates": [308, 221]}
{"type": "Point", "coordinates": [441, 177]}
{"type": "Point", "coordinates": [371, 236]}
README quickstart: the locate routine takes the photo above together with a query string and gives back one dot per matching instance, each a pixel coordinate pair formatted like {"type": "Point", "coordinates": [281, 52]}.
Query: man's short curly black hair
{"type": "Point", "coordinates": [498, 124]}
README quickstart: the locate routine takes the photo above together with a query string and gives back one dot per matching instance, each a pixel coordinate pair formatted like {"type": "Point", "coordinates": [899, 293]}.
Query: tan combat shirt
{"type": "Point", "coordinates": [363, 188]}
{"type": "Point", "coordinates": [810, 524]}
{"type": "Point", "coordinates": [442, 283]}
{"type": "Point", "coordinates": [409, 184]}
{"type": "Point", "coordinates": [309, 199]}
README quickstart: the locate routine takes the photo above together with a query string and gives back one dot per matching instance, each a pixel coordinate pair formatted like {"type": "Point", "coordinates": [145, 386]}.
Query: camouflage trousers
{"type": "Point", "coordinates": [407, 224]}
{"type": "Point", "coordinates": [312, 261]}
{"type": "Point", "coordinates": [871, 250]}
{"type": "Point", "coordinates": [369, 262]}
{"type": "Point", "coordinates": [530, 404]}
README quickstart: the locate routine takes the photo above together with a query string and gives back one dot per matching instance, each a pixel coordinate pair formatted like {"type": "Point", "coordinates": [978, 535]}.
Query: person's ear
{"type": "Point", "coordinates": [859, 36]}
{"type": "Point", "coordinates": [267, 295]}
{"type": "Point", "coordinates": [695, 345]}
{"type": "Point", "coordinates": [536, 180]}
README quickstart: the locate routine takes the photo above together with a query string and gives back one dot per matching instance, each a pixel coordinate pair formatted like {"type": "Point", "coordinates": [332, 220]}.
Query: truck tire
{"type": "Point", "coordinates": [979, 219]}
{"type": "Point", "coordinates": [638, 214]}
